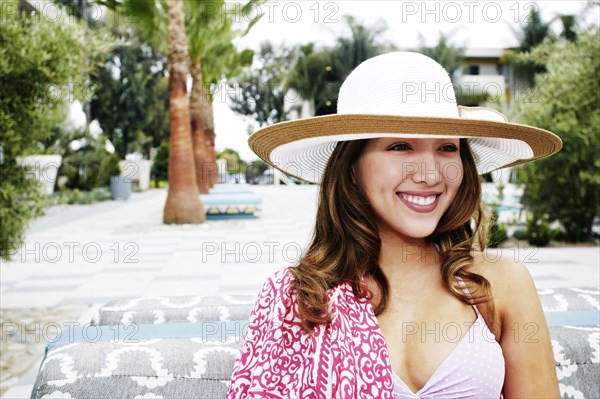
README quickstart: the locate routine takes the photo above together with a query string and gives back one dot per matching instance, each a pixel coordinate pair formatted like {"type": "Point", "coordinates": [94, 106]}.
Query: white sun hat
{"type": "Point", "coordinates": [399, 94]}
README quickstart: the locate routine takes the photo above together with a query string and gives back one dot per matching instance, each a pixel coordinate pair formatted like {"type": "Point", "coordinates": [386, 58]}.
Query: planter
{"type": "Point", "coordinates": [120, 187]}
{"type": "Point", "coordinates": [137, 172]}
{"type": "Point", "coordinates": [44, 168]}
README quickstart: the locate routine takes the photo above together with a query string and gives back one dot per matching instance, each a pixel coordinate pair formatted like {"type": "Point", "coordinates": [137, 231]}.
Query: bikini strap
{"type": "Point", "coordinates": [463, 285]}
{"type": "Point", "coordinates": [466, 291]}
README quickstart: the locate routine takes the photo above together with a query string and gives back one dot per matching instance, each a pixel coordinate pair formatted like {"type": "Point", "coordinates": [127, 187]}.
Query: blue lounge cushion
{"type": "Point", "coordinates": [230, 199]}
{"type": "Point", "coordinates": [230, 205]}
{"type": "Point", "coordinates": [231, 189]}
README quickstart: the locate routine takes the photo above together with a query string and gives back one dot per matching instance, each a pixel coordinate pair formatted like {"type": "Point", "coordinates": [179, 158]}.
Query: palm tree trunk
{"type": "Point", "coordinates": [183, 202]}
{"type": "Point", "coordinates": [200, 108]}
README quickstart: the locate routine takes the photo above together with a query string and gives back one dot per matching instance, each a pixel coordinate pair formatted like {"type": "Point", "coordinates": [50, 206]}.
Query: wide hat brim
{"type": "Point", "coordinates": [301, 148]}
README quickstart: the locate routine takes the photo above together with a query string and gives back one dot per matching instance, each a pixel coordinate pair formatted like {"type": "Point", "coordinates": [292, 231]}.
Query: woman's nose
{"type": "Point", "coordinates": [427, 170]}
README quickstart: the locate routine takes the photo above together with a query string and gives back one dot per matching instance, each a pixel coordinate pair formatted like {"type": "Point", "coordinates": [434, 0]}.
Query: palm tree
{"type": "Point", "coordinates": [210, 34]}
{"type": "Point", "coordinates": [314, 78]}
{"type": "Point", "coordinates": [211, 54]}
{"type": "Point", "coordinates": [362, 43]}
{"type": "Point", "coordinates": [183, 202]}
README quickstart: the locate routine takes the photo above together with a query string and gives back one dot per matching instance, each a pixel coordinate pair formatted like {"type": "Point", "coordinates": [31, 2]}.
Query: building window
{"type": "Point", "coordinates": [473, 69]}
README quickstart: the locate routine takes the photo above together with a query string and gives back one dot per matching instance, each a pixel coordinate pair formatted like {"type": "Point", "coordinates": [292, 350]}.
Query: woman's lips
{"type": "Point", "coordinates": [417, 207]}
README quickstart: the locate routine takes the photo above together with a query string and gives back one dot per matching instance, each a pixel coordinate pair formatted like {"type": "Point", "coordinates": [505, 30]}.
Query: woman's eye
{"type": "Point", "coordinates": [400, 147]}
{"type": "Point", "coordinates": [449, 148]}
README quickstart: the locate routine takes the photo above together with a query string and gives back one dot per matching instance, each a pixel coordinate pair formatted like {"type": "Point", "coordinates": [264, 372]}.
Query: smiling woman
{"type": "Point", "coordinates": [393, 297]}
{"type": "Point", "coordinates": [424, 174]}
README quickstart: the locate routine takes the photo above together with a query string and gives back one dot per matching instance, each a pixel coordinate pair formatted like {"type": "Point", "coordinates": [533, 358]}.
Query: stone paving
{"type": "Point", "coordinates": [24, 333]}
{"type": "Point", "coordinates": [79, 257]}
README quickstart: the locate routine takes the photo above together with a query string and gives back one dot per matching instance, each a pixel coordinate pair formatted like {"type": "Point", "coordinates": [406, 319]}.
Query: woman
{"type": "Point", "coordinates": [395, 297]}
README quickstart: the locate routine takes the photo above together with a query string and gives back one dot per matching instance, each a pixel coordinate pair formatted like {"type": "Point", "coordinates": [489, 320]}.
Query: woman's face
{"type": "Point", "coordinates": [410, 183]}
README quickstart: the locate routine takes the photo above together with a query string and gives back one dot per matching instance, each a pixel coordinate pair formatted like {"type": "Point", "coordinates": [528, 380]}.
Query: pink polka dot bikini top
{"type": "Point", "coordinates": [474, 368]}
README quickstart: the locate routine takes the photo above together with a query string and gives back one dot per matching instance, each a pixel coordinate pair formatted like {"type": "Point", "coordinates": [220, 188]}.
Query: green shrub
{"type": "Point", "coordinates": [36, 56]}
{"type": "Point", "coordinates": [520, 235]}
{"type": "Point", "coordinates": [21, 200]}
{"type": "Point", "coordinates": [539, 232]}
{"type": "Point", "coordinates": [77, 196]}
{"type": "Point", "coordinates": [160, 166]}
{"type": "Point", "coordinates": [255, 169]}
{"type": "Point", "coordinates": [88, 167]}
{"type": "Point", "coordinates": [110, 167]}
{"type": "Point", "coordinates": [497, 231]}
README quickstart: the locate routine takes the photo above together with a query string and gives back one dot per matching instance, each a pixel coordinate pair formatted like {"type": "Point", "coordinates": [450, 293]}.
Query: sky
{"type": "Point", "coordinates": [473, 24]}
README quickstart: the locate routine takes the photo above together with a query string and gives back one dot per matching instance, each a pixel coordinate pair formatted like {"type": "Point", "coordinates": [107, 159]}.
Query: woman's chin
{"type": "Point", "coordinates": [411, 233]}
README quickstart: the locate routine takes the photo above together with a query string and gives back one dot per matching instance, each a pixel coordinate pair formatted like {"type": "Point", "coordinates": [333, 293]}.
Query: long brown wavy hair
{"type": "Point", "coordinates": [345, 243]}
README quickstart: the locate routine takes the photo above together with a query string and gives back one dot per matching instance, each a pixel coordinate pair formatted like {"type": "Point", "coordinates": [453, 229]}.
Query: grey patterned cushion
{"type": "Point", "coordinates": [183, 309]}
{"type": "Point", "coordinates": [569, 299]}
{"type": "Point", "coordinates": [577, 357]}
{"type": "Point", "coordinates": [192, 309]}
{"type": "Point", "coordinates": [178, 367]}
{"type": "Point", "coordinates": [156, 368]}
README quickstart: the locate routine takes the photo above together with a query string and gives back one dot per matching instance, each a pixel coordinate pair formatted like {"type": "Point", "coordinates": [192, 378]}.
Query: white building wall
{"type": "Point", "coordinates": [494, 85]}
{"type": "Point", "coordinates": [488, 69]}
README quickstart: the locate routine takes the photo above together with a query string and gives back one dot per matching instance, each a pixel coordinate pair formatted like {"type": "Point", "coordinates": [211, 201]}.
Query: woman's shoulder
{"type": "Point", "coordinates": [277, 285]}
{"type": "Point", "coordinates": [273, 300]}
{"type": "Point", "coordinates": [507, 276]}
{"type": "Point", "coordinates": [279, 293]}
{"type": "Point", "coordinates": [282, 281]}
{"type": "Point", "coordinates": [281, 277]}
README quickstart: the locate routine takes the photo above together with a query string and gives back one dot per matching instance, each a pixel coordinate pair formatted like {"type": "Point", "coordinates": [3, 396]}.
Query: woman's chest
{"type": "Point", "coordinates": [421, 339]}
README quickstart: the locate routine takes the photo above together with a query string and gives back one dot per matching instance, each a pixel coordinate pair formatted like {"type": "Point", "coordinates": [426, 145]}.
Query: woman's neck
{"type": "Point", "coordinates": [404, 256]}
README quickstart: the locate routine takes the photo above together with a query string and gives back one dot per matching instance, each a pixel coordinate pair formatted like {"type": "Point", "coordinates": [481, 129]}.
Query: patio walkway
{"type": "Point", "coordinates": [122, 249]}
{"type": "Point", "coordinates": [77, 258]}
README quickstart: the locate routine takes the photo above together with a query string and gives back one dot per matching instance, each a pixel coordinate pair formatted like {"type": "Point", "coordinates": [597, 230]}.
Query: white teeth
{"type": "Point", "coordinates": [417, 200]}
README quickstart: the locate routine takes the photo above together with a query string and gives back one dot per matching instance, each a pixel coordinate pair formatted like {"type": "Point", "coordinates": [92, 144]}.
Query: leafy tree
{"type": "Point", "coordinates": [234, 161]}
{"type": "Point", "coordinates": [569, 24]}
{"type": "Point", "coordinates": [566, 187]}
{"type": "Point", "coordinates": [160, 166]}
{"type": "Point", "coordinates": [81, 9]}
{"type": "Point", "coordinates": [260, 91]}
{"type": "Point", "coordinates": [43, 64]}
{"type": "Point", "coordinates": [535, 32]}
{"type": "Point", "coordinates": [359, 43]}
{"type": "Point", "coordinates": [158, 128]}
{"type": "Point", "coordinates": [131, 95]}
